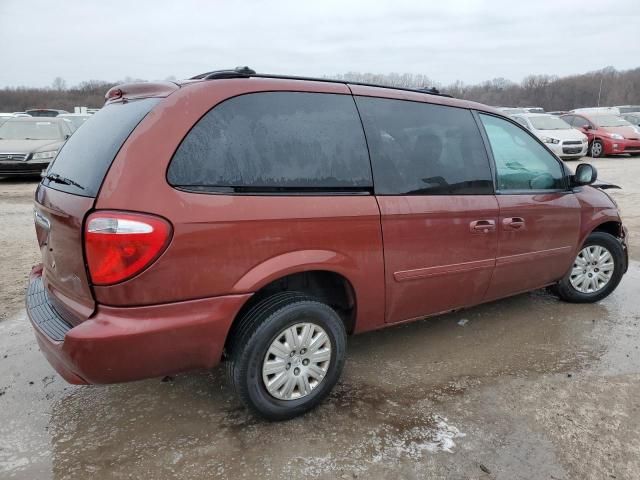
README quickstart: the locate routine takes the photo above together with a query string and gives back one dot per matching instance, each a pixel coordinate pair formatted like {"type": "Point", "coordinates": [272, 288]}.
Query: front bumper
{"type": "Point", "coordinates": [23, 168]}
{"type": "Point", "coordinates": [619, 147]}
{"type": "Point", "coordinates": [123, 344]}
{"type": "Point", "coordinates": [563, 150]}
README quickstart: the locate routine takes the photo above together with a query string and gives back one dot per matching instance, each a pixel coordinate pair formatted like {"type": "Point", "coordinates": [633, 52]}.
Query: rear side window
{"type": "Point", "coordinates": [87, 155]}
{"type": "Point", "coordinates": [275, 141]}
{"type": "Point", "coordinates": [424, 149]}
{"type": "Point", "coordinates": [521, 162]}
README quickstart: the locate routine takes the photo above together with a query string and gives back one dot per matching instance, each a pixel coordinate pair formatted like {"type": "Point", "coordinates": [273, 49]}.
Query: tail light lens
{"type": "Point", "coordinates": [119, 245]}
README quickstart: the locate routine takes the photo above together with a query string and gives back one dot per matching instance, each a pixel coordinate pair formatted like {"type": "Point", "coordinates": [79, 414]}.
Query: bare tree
{"type": "Point", "coordinates": [59, 84]}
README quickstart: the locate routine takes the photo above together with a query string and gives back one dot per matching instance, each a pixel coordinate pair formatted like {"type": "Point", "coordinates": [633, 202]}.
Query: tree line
{"type": "Point", "coordinates": [605, 87]}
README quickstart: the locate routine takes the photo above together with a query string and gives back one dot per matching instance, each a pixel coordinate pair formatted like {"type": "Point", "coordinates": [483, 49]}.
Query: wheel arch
{"type": "Point", "coordinates": [318, 273]}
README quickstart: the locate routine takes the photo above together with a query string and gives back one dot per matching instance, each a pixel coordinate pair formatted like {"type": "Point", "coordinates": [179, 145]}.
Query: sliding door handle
{"type": "Point", "coordinates": [482, 226]}
{"type": "Point", "coordinates": [513, 223]}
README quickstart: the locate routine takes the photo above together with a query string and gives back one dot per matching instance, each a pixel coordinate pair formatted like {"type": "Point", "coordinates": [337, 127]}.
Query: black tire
{"type": "Point", "coordinates": [599, 152]}
{"type": "Point", "coordinates": [252, 337]}
{"type": "Point", "coordinates": [568, 293]}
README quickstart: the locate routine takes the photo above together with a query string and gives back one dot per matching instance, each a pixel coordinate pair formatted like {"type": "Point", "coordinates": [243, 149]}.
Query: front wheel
{"type": "Point", "coordinates": [597, 149]}
{"type": "Point", "coordinates": [286, 355]}
{"type": "Point", "coordinates": [596, 271]}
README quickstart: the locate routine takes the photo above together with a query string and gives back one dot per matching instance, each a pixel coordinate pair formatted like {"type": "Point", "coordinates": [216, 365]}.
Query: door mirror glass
{"type": "Point", "coordinates": [585, 174]}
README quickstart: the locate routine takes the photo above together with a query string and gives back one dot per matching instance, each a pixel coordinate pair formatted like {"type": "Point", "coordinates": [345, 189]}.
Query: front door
{"type": "Point", "coordinates": [539, 220]}
{"type": "Point", "coordinates": [438, 210]}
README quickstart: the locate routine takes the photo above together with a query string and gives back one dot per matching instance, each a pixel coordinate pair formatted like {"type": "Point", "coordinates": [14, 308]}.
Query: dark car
{"type": "Point", "coordinates": [259, 220]}
{"type": "Point", "coordinates": [27, 144]}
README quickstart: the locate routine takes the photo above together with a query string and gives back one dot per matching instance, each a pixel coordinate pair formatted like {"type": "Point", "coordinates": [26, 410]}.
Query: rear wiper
{"type": "Point", "coordinates": [54, 177]}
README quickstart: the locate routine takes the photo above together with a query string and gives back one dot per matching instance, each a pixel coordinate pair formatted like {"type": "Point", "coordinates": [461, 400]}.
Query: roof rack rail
{"type": "Point", "coordinates": [238, 72]}
{"type": "Point", "coordinates": [246, 72]}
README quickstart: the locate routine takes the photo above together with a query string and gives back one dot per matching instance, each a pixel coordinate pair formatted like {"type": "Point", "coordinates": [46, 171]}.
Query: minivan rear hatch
{"type": "Point", "coordinates": [68, 192]}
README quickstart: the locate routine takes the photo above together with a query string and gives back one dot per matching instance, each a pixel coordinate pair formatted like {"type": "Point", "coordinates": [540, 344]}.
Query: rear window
{"type": "Point", "coordinates": [275, 141]}
{"type": "Point", "coordinates": [87, 155]}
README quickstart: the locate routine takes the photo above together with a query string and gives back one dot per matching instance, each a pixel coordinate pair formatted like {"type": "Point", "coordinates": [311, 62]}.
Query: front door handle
{"type": "Point", "coordinates": [513, 223]}
{"type": "Point", "coordinates": [482, 226]}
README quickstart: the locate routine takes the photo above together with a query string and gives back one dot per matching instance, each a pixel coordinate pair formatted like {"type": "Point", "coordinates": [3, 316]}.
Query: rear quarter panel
{"type": "Point", "coordinates": [230, 244]}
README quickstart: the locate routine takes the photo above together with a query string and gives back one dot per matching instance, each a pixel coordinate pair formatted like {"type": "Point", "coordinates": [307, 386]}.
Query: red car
{"type": "Point", "coordinates": [259, 220]}
{"type": "Point", "coordinates": [608, 134]}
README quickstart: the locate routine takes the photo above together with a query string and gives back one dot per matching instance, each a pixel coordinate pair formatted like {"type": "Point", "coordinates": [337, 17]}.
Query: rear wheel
{"type": "Point", "coordinates": [596, 271]}
{"type": "Point", "coordinates": [597, 149]}
{"type": "Point", "coordinates": [286, 355]}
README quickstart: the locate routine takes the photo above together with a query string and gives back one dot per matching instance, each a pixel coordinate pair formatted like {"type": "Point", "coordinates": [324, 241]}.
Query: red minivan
{"type": "Point", "coordinates": [260, 219]}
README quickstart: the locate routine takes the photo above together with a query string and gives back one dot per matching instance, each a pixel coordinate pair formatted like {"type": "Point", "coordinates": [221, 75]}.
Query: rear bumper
{"type": "Point", "coordinates": [123, 344]}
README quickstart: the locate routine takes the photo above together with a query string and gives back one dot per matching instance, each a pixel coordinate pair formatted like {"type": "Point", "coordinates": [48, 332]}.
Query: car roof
{"type": "Point", "coordinates": [531, 115]}
{"type": "Point", "coordinates": [364, 89]}
{"type": "Point", "coordinates": [64, 115]}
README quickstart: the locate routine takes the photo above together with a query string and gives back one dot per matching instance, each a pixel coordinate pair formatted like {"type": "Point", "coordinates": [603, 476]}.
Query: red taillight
{"type": "Point", "coordinates": [120, 245]}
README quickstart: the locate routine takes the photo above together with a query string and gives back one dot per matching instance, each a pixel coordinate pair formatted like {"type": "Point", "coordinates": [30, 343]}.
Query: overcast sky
{"type": "Point", "coordinates": [447, 40]}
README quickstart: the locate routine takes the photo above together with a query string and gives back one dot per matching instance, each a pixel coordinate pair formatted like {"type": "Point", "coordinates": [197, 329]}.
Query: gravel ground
{"type": "Point", "coordinates": [524, 388]}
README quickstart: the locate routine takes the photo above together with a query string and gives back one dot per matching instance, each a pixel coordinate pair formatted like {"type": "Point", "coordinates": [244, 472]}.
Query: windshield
{"type": "Point", "coordinates": [549, 122]}
{"type": "Point", "coordinates": [610, 121]}
{"type": "Point", "coordinates": [41, 130]}
{"type": "Point", "coordinates": [630, 108]}
{"type": "Point", "coordinates": [77, 120]}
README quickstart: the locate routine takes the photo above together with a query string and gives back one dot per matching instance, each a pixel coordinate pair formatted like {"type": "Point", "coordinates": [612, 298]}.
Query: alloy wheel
{"type": "Point", "coordinates": [596, 149]}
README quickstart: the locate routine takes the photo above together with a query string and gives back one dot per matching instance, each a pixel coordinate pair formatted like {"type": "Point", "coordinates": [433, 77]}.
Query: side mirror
{"type": "Point", "coordinates": [587, 127]}
{"type": "Point", "coordinates": [585, 174]}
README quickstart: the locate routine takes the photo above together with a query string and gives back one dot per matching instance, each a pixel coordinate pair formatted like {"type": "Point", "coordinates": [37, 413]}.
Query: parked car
{"type": "Point", "coordinates": [44, 112]}
{"type": "Point", "coordinates": [627, 109]}
{"type": "Point", "coordinates": [77, 119]}
{"type": "Point", "coordinates": [534, 109]}
{"type": "Point", "coordinates": [247, 218]}
{"type": "Point", "coordinates": [5, 116]}
{"type": "Point", "coordinates": [27, 144]}
{"type": "Point", "coordinates": [608, 134]}
{"type": "Point", "coordinates": [596, 111]}
{"type": "Point", "coordinates": [560, 137]}
{"type": "Point", "coordinates": [558, 112]}
{"type": "Point", "coordinates": [511, 110]}
{"type": "Point", "coordinates": [632, 118]}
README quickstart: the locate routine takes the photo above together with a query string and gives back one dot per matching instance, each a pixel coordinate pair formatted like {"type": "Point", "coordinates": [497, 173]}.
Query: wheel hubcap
{"type": "Point", "coordinates": [296, 361]}
{"type": "Point", "coordinates": [597, 149]}
{"type": "Point", "coordinates": [592, 269]}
